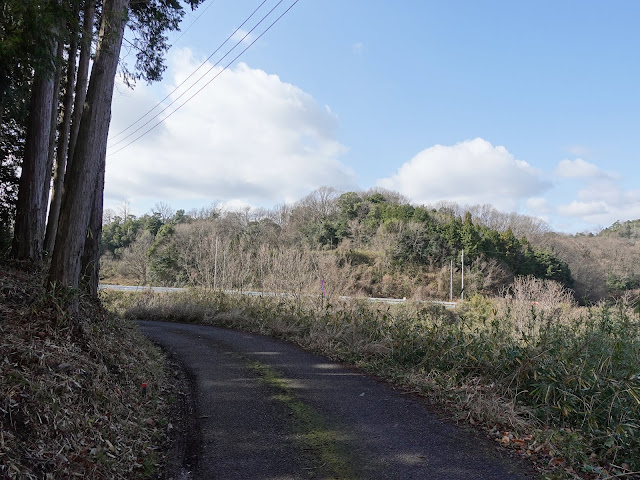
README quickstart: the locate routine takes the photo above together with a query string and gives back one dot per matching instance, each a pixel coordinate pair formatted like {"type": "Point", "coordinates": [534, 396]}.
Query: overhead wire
{"type": "Point", "coordinates": [191, 24]}
{"type": "Point", "coordinates": [211, 80]}
{"type": "Point", "coordinates": [198, 80]}
{"type": "Point", "coordinates": [187, 78]}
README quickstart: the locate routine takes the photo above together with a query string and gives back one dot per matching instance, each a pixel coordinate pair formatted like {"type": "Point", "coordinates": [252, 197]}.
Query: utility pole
{"type": "Point", "coordinates": [451, 281]}
{"type": "Point", "coordinates": [215, 266]}
{"type": "Point", "coordinates": [224, 267]}
{"type": "Point", "coordinates": [462, 292]}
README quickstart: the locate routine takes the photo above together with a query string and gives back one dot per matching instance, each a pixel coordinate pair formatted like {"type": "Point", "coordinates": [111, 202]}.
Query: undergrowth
{"type": "Point", "coordinates": [71, 404]}
{"type": "Point", "coordinates": [557, 383]}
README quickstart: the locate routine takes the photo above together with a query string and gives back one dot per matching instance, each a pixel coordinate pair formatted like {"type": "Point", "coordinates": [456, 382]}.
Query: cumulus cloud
{"type": "Point", "coordinates": [603, 202]}
{"type": "Point", "coordinates": [247, 138]}
{"type": "Point", "coordinates": [601, 198]}
{"type": "Point", "coordinates": [470, 172]}
{"type": "Point", "coordinates": [581, 169]}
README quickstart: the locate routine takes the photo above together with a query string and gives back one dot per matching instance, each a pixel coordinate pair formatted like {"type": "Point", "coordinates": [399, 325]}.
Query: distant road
{"type": "Point", "coordinates": [137, 288]}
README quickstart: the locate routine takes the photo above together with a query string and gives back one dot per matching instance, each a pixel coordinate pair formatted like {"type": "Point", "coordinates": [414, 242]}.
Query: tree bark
{"type": "Point", "coordinates": [83, 75]}
{"type": "Point", "coordinates": [86, 167]}
{"type": "Point", "coordinates": [91, 254]}
{"type": "Point", "coordinates": [63, 148]}
{"type": "Point", "coordinates": [55, 104]}
{"type": "Point", "coordinates": [29, 225]}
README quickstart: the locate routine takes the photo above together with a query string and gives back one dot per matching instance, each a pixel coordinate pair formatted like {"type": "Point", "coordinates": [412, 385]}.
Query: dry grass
{"type": "Point", "coordinates": [71, 403]}
{"type": "Point", "coordinates": [557, 384]}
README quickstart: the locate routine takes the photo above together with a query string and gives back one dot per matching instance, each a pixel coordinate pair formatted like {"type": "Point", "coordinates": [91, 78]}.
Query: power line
{"type": "Point", "coordinates": [188, 77]}
{"type": "Point", "coordinates": [211, 80]}
{"type": "Point", "coordinates": [198, 80]}
{"type": "Point", "coordinates": [192, 24]}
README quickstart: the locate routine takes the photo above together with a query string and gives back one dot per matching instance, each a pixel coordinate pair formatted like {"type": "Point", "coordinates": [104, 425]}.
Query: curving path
{"type": "Point", "coordinates": [265, 409]}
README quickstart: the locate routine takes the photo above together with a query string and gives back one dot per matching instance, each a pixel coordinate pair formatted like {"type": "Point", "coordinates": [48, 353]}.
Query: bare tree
{"type": "Point", "coordinates": [165, 211]}
{"type": "Point", "coordinates": [135, 261]}
{"type": "Point", "coordinates": [124, 209]}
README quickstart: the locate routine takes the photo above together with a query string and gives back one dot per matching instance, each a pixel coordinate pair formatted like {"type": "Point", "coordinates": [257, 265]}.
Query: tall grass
{"type": "Point", "coordinates": [551, 371]}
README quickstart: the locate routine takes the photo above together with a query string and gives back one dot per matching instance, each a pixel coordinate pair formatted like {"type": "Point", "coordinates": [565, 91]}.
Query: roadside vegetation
{"type": "Point", "coordinates": [557, 383]}
{"type": "Point", "coordinates": [543, 353]}
{"type": "Point", "coordinates": [71, 399]}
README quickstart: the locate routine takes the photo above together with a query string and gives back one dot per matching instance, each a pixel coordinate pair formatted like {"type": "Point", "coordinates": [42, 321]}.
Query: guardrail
{"type": "Point", "coordinates": [137, 288]}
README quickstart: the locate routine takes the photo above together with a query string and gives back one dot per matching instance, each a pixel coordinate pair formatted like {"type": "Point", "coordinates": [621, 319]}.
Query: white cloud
{"type": "Point", "coordinates": [470, 172]}
{"type": "Point", "coordinates": [600, 199]}
{"type": "Point", "coordinates": [580, 169]}
{"type": "Point", "coordinates": [583, 209]}
{"type": "Point", "coordinates": [538, 204]}
{"type": "Point", "coordinates": [247, 138]}
{"type": "Point", "coordinates": [357, 48]}
{"type": "Point", "coordinates": [243, 36]}
{"type": "Point", "coordinates": [539, 207]}
{"type": "Point", "coordinates": [603, 203]}
{"type": "Point", "coordinates": [578, 150]}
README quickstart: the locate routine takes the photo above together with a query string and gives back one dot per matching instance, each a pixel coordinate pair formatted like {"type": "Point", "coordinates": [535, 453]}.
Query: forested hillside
{"type": "Point", "coordinates": [372, 243]}
{"type": "Point", "coordinates": [602, 265]}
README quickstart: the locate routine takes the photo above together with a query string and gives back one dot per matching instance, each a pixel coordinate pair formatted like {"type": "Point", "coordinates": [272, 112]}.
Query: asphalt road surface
{"type": "Point", "coordinates": [265, 409]}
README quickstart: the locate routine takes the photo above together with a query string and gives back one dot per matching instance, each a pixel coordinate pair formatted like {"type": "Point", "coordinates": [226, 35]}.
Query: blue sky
{"type": "Point", "coordinates": [530, 106]}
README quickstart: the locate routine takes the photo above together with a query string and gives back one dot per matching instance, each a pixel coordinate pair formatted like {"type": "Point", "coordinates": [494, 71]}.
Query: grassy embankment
{"type": "Point", "coordinates": [71, 402]}
{"type": "Point", "coordinates": [558, 384]}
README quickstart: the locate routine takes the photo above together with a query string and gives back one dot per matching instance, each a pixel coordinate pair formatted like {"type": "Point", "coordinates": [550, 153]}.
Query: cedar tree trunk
{"type": "Point", "coordinates": [28, 232]}
{"type": "Point", "coordinates": [86, 166]}
{"type": "Point", "coordinates": [63, 148]}
{"type": "Point", "coordinates": [83, 74]}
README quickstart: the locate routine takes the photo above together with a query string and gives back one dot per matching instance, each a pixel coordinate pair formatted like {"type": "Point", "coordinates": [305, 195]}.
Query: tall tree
{"type": "Point", "coordinates": [63, 138]}
{"type": "Point", "coordinates": [25, 30]}
{"type": "Point", "coordinates": [86, 165]}
{"type": "Point", "coordinates": [90, 265]}
{"type": "Point", "coordinates": [55, 108]}
{"type": "Point", "coordinates": [29, 224]}
{"type": "Point", "coordinates": [82, 81]}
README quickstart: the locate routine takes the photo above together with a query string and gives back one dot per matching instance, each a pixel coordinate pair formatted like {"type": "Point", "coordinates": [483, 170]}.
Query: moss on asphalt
{"type": "Point", "coordinates": [319, 439]}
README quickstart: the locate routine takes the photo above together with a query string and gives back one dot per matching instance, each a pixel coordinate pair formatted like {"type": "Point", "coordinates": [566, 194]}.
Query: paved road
{"type": "Point", "coordinates": [268, 410]}
{"type": "Point", "coordinates": [138, 288]}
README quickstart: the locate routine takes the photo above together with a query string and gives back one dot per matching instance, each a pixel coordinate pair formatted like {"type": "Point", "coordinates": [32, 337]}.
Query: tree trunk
{"type": "Point", "coordinates": [83, 74]}
{"type": "Point", "coordinates": [46, 186]}
{"type": "Point", "coordinates": [29, 224]}
{"type": "Point", "coordinates": [63, 148]}
{"type": "Point", "coordinates": [91, 255]}
{"type": "Point", "coordinates": [86, 166]}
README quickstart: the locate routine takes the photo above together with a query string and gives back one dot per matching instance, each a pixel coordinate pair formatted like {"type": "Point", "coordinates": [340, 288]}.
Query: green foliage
{"type": "Point", "coordinates": [617, 284]}
{"type": "Point", "coordinates": [629, 229]}
{"type": "Point", "coordinates": [120, 233]}
{"type": "Point", "coordinates": [350, 206]}
{"type": "Point", "coordinates": [164, 268]}
{"type": "Point", "coordinates": [150, 22]}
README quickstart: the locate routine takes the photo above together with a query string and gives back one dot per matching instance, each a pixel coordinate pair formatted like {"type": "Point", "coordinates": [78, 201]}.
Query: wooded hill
{"type": "Point", "coordinates": [371, 243]}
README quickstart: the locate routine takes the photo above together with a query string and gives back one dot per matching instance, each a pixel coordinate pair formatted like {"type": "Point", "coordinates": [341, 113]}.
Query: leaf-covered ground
{"type": "Point", "coordinates": [71, 396]}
